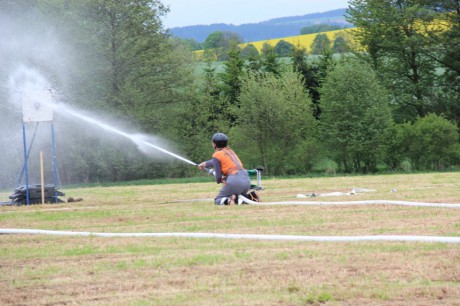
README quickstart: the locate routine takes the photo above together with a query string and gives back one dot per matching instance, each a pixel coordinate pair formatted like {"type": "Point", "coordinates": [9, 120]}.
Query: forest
{"type": "Point", "coordinates": [391, 102]}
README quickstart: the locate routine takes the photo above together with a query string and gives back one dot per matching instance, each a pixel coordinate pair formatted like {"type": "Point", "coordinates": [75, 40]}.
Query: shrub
{"type": "Point", "coordinates": [433, 142]}
{"type": "Point", "coordinates": [430, 143]}
{"type": "Point", "coordinates": [326, 165]}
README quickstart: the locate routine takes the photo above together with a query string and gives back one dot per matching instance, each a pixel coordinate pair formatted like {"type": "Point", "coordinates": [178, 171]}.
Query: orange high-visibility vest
{"type": "Point", "coordinates": [229, 161]}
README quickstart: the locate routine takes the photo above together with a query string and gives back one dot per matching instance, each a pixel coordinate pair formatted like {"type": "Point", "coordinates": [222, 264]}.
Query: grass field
{"type": "Point", "coordinates": [68, 270]}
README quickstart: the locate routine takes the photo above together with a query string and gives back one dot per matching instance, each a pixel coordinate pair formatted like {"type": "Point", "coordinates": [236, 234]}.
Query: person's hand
{"type": "Point", "coordinates": [202, 165]}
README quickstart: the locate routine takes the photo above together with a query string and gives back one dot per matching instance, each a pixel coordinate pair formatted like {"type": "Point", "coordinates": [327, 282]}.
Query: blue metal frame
{"type": "Point", "coordinates": [54, 164]}
{"type": "Point", "coordinates": [27, 156]}
{"type": "Point", "coordinates": [26, 162]}
{"type": "Point", "coordinates": [26, 168]}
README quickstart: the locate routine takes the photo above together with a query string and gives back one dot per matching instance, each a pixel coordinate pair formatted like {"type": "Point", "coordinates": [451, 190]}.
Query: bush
{"type": "Point", "coordinates": [406, 165]}
{"type": "Point", "coordinates": [430, 143]}
{"type": "Point", "coordinates": [326, 165]}
{"type": "Point", "coordinates": [396, 145]}
{"type": "Point", "coordinates": [434, 143]}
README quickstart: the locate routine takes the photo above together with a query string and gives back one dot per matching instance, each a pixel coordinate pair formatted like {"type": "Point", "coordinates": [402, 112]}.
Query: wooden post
{"type": "Point", "coordinates": [42, 177]}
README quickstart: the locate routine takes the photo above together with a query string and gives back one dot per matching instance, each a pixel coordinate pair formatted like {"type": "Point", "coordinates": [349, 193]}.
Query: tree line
{"type": "Point", "coordinates": [220, 40]}
{"type": "Point", "coordinates": [217, 45]}
{"type": "Point", "coordinates": [389, 105]}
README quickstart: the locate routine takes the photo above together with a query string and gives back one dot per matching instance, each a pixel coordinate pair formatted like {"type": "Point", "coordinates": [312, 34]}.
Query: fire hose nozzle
{"type": "Point", "coordinates": [210, 171]}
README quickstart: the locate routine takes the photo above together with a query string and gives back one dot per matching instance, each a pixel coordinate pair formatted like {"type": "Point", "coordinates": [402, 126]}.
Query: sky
{"type": "Point", "coordinates": [204, 12]}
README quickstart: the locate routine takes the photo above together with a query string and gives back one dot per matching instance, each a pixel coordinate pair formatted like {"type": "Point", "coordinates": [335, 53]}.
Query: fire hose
{"type": "Point", "coordinates": [366, 202]}
{"type": "Point", "coordinates": [394, 238]}
{"type": "Point", "coordinates": [371, 238]}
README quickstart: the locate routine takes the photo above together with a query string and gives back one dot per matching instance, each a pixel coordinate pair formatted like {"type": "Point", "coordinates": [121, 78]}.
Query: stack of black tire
{"type": "Point", "coordinates": [19, 197]}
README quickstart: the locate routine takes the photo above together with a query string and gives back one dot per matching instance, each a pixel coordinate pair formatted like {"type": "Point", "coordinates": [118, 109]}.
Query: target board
{"type": "Point", "coordinates": [36, 105]}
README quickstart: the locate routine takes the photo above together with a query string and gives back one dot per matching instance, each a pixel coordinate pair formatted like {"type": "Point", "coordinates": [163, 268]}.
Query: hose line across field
{"type": "Point", "coordinates": [397, 238]}
{"type": "Point", "coordinates": [367, 202]}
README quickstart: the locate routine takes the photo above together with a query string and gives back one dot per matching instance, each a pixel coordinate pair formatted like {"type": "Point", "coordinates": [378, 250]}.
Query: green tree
{"type": "Point", "coordinates": [251, 55]}
{"type": "Point", "coordinates": [443, 36]}
{"type": "Point", "coordinates": [213, 107]}
{"type": "Point", "coordinates": [283, 48]}
{"type": "Point", "coordinates": [275, 126]}
{"type": "Point", "coordinates": [269, 60]}
{"type": "Point", "coordinates": [214, 40]}
{"type": "Point", "coordinates": [310, 76]}
{"type": "Point", "coordinates": [218, 43]}
{"type": "Point", "coordinates": [123, 63]}
{"type": "Point", "coordinates": [318, 28]}
{"type": "Point", "coordinates": [396, 139]}
{"type": "Point", "coordinates": [213, 46]}
{"type": "Point", "coordinates": [355, 112]}
{"type": "Point", "coordinates": [443, 32]}
{"type": "Point", "coordinates": [192, 44]}
{"type": "Point", "coordinates": [201, 115]}
{"type": "Point", "coordinates": [321, 44]}
{"type": "Point", "coordinates": [231, 82]}
{"type": "Point", "coordinates": [124, 51]}
{"type": "Point", "coordinates": [394, 34]}
{"type": "Point", "coordinates": [340, 45]}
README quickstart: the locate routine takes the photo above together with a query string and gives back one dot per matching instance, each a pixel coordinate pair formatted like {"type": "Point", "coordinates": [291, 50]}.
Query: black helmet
{"type": "Point", "coordinates": [220, 139]}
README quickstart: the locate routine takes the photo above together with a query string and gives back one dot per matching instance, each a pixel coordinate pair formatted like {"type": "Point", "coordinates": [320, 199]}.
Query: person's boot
{"type": "Point", "coordinates": [254, 196]}
{"type": "Point", "coordinates": [223, 201]}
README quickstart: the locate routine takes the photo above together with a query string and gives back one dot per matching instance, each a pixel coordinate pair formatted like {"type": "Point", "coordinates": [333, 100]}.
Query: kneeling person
{"type": "Point", "coordinates": [229, 171]}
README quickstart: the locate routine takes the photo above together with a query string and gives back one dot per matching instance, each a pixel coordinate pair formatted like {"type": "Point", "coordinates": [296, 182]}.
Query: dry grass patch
{"type": "Point", "coordinates": [45, 270]}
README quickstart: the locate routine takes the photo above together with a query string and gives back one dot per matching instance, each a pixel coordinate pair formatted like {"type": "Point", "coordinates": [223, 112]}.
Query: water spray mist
{"type": "Point", "coordinates": [137, 139]}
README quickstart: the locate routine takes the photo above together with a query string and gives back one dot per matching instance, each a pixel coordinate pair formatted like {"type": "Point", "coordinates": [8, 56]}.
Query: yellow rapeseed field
{"type": "Point", "coordinates": [303, 41]}
{"type": "Point", "coordinates": [306, 40]}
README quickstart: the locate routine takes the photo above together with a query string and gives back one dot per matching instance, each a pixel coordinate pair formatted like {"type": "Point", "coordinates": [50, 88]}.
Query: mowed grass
{"type": "Point", "coordinates": [45, 270]}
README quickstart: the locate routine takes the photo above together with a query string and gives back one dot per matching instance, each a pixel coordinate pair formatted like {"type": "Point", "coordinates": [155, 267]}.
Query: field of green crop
{"type": "Point", "coordinates": [58, 270]}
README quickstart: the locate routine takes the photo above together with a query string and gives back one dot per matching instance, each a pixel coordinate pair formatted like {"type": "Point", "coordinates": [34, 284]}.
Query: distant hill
{"type": "Point", "coordinates": [273, 28]}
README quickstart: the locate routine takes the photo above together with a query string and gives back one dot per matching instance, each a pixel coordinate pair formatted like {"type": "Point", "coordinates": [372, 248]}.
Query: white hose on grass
{"type": "Point", "coordinates": [367, 202]}
{"type": "Point", "coordinates": [397, 238]}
